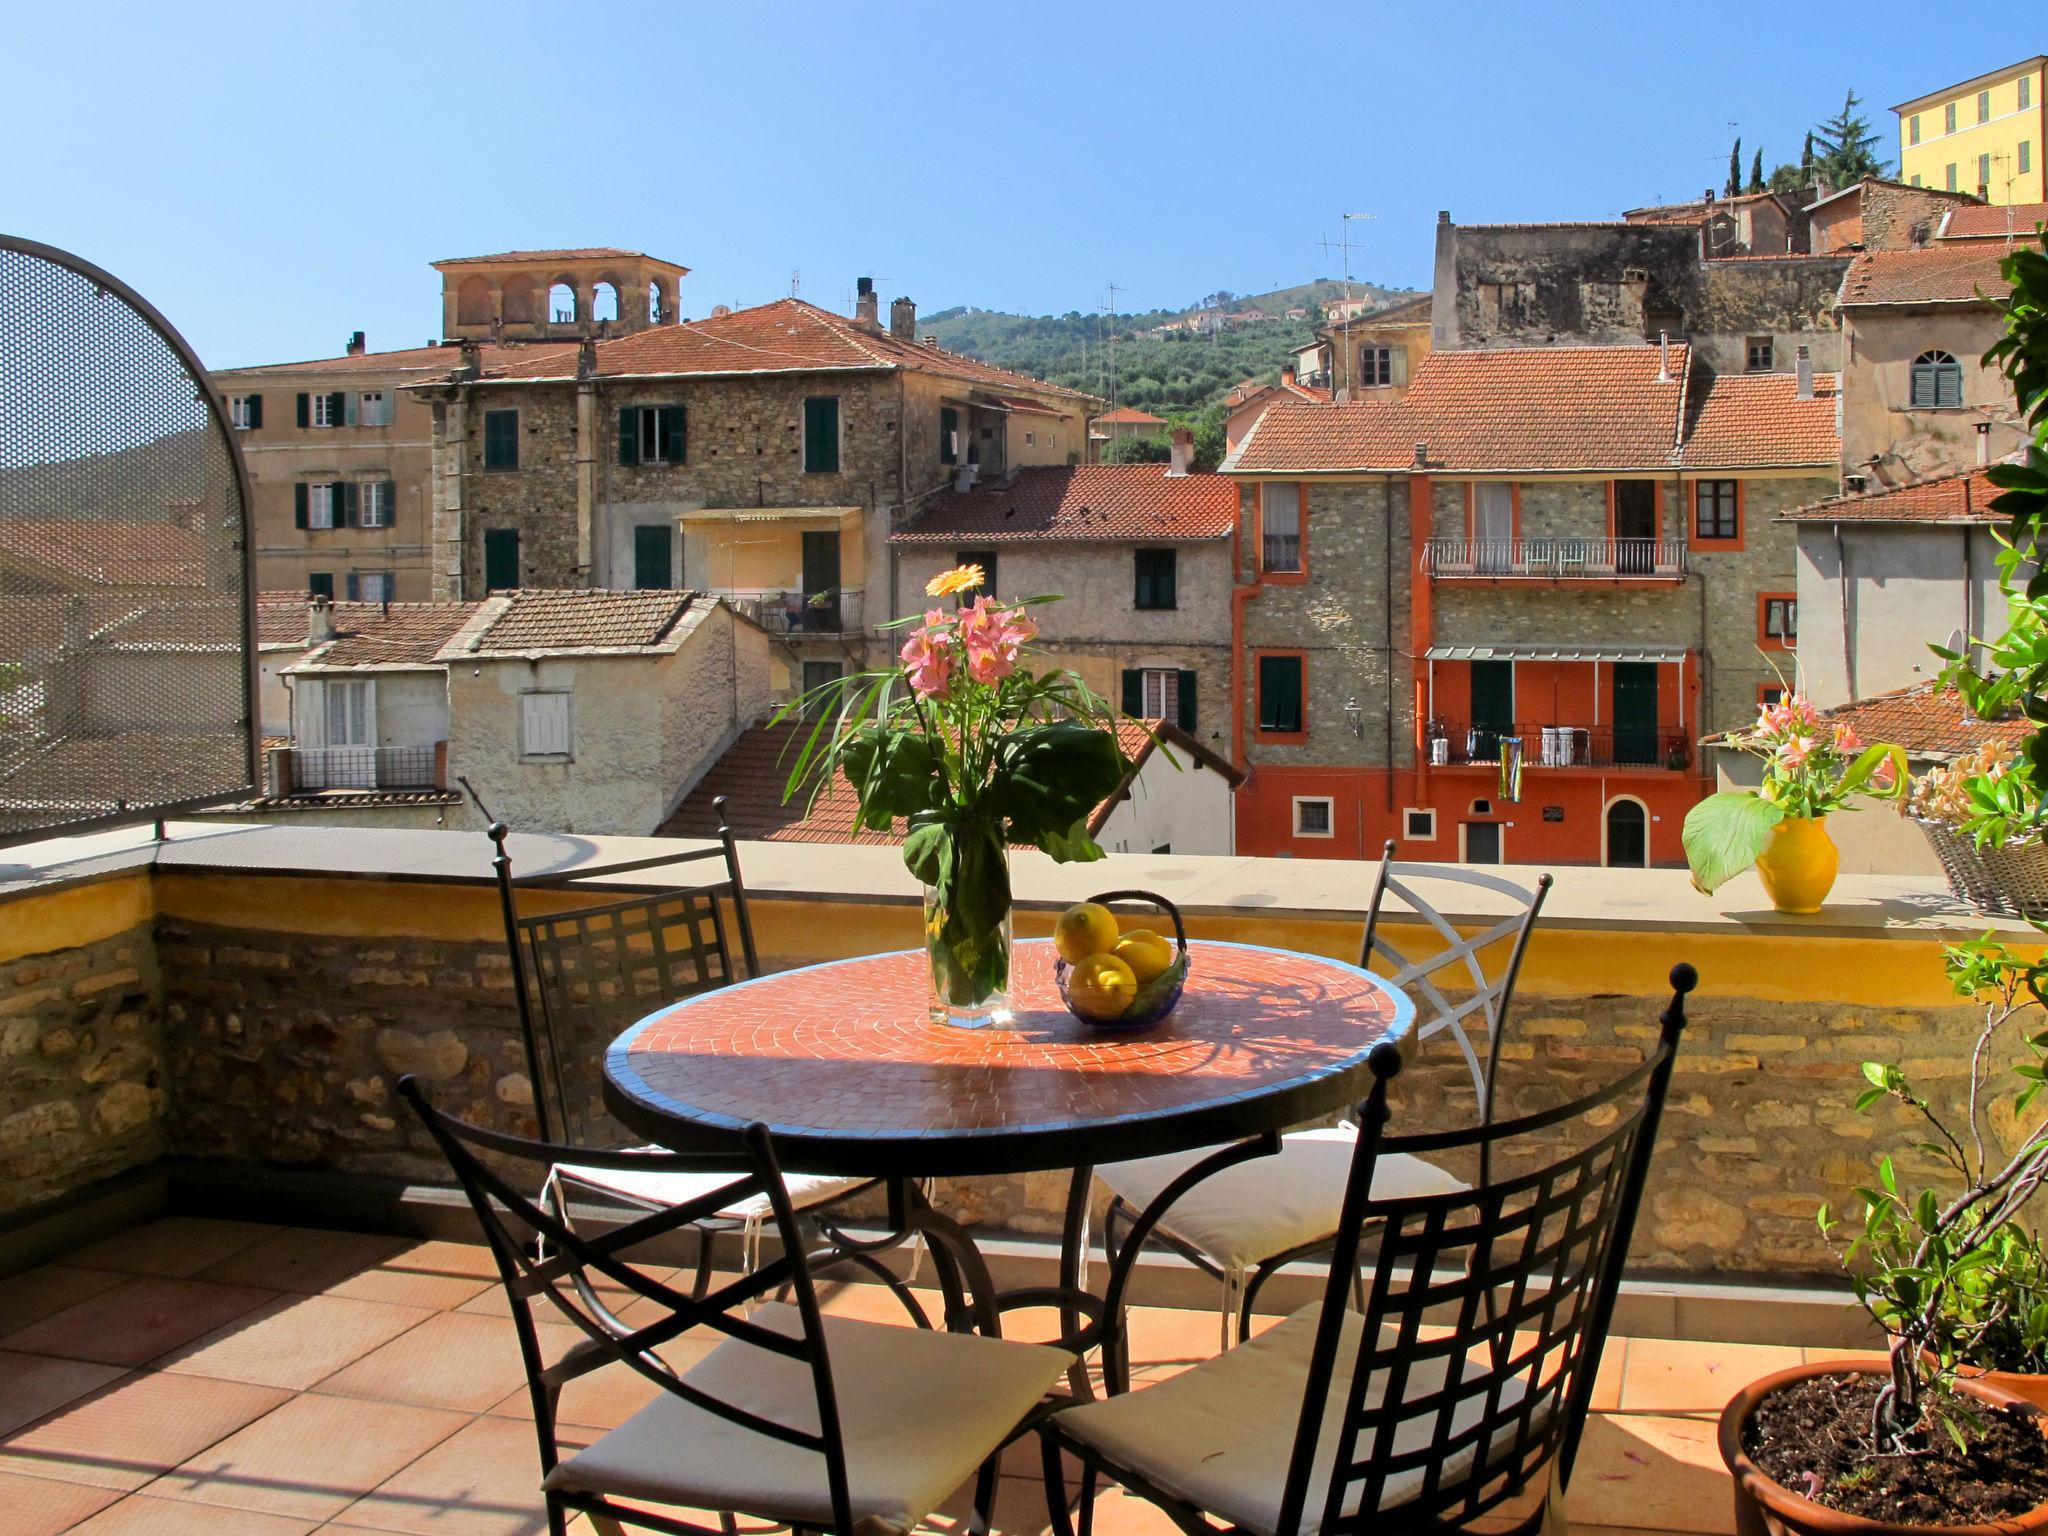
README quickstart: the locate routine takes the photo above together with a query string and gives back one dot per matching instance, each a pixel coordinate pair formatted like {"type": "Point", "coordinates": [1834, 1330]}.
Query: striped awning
{"type": "Point", "coordinates": [1555, 653]}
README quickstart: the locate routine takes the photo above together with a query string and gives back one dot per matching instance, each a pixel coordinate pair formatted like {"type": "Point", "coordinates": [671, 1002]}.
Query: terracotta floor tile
{"type": "Point", "coordinates": [303, 1259]}
{"type": "Point", "coordinates": [311, 1459]}
{"type": "Point", "coordinates": [491, 1301]}
{"type": "Point", "coordinates": [481, 1481]}
{"type": "Point", "coordinates": [1686, 1376]}
{"type": "Point", "coordinates": [35, 1294]}
{"type": "Point", "coordinates": [295, 1341]}
{"type": "Point", "coordinates": [1660, 1473]}
{"type": "Point", "coordinates": [1873, 1356]}
{"type": "Point", "coordinates": [141, 1515]}
{"type": "Point", "coordinates": [438, 1275]}
{"type": "Point", "coordinates": [39, 1508]}
{"type": "Point", "coordinates": [176, 1246]}
{"type": "Point", "coordinates": [124, 1434]}
{"type": "Point", "coordinates": [464, 1363]}
{"type": "Point", "coordinates": [32, 1385]}
{"type": "Point", "coordinates": [138, 1320]}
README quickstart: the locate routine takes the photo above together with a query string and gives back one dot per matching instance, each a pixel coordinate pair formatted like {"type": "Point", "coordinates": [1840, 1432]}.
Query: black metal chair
{"type": "Point", "coordinates": [820, 1423]}
{"type": "Point", "coordinates": [1254, 1217]}
{"type": "Point", "coordinates": [1459, 1388]}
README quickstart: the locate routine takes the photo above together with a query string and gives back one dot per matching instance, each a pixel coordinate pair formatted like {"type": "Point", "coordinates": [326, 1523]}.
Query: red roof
{"type": "Point", "coordinates": [379, 635]}
{"type": "Point", "coordinates": [1102, 503]}
{"type": "Point", "coordinates": [101, 552]}
{"type": "Point", "coordinates": [433, 360]}
{"type": "Point", "coordinates": [1963, 495]}
{"type": "Point", "coordinates": [1981, 221]}
{"type": "Point", "coordinates": [578, 253]}
{"type": "Point", "coordinates": [1928, 721]}
{"type": "Point", "coordinates": [787, 336]}
{"type": "Point", "coordinates": [1129, 416]}
{"type": "Point", "coordinates": [1940, 274]}
{"type": "Point", "coordinates": [1758, 421]}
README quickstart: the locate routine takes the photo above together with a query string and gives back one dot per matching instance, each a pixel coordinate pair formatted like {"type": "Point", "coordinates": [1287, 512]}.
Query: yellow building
{"type": "Point", "coordinates": [1984, 136]}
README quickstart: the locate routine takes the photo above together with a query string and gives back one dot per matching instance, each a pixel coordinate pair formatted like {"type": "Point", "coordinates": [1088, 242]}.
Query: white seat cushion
{"type": "Point", "coordinates": [1220, 1435]}
{"type": "Point", "coordinates": [1267, 1205]}
{"type": "Point", "coordinates": [659, 1188]}
{"type": "Point", "coordinates": [919, 1412]}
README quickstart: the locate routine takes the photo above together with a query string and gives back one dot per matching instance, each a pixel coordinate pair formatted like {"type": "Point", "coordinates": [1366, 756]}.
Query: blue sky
{"type": "Point", "coordinates": [274, 177]}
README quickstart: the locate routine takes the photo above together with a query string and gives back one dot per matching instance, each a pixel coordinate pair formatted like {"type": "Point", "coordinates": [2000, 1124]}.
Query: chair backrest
{"type": "Point", "coordinates": [1519, 1273]}
{"type": "Point", "coordinates": [1489, 960]}
{"type": "Point", "coordinates": [554, 1272]}
{"type": "Point", "coordinates": [583, 973]}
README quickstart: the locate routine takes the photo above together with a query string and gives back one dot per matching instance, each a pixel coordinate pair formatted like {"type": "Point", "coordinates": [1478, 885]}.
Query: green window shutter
{"type": "Point", "coordinates": [501, 439]}
{"type": "Point", "coordinates": [1134, 692]}
{"type": "Point", "coordinates": [389, 496]}
{"type": "Point", "coordinates": [501, 559]}
{"type": "Point", "coordinates": [949, 427]}
{"type": "Point", "coordinates": [1187, 701]}
{"type": "Point", "coordinates": [254, 411]}
{"type": "Point", "coordinates": [320, 584]}
{"type": "Point", "coordinates": [305, 409]}
{"type": "Point", "coordinates": [337, 409]}
{"type": "Point", "coordinates": [674, 424]}
{"type": "Point", "coordinates": [1141, 595]}
{"type": "Point", "coordinates": [299, 517]}
{"type": "Point", "coordinates": [1923, 385]}
{"type": "Point", "coordinates": [348, 512]}
{"type": "Point", "coordinates": [1279, 693]}
{"type": "Point", "coordinates": [355, 587]}
{"type": "Point", "coordinates": [821, 435]}
{"type": "Point", "coordinates": [1948, 384]}
{"type": "Point", "coordinates": [629, 435]}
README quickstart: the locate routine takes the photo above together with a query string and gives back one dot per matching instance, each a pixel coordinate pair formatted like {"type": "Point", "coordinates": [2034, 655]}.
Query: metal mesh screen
{"type": "Point", "coordinates": [125, 610]}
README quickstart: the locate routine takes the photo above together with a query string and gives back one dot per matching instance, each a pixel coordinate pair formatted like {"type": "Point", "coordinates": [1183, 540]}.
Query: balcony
{"type": "Point", "coordinates": [787, 611]}
{"type": "Point", "coordinates": [309, 770]}
{"type": "Point", "coordinates": [1554, 559]}
{"type": "Point", "coordinates": [1458, 745]}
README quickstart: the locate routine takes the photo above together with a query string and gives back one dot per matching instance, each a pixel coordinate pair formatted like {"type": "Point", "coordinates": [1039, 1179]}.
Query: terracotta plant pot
{"type": "Point", "coordinates": [1767, 1508]}
{"type": "Point", "coordinates": [1799, 863]}
{"type": "Point", "coordinates": [2021, 1384]}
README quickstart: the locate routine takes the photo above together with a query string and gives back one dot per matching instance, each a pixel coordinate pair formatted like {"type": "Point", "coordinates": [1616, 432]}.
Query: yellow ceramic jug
{"type": "Point", "coordinates": [1799, 863]}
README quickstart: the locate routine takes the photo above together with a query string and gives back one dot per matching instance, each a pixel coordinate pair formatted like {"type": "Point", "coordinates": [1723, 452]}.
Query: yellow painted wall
{"type": "Point", "coordinates": [1927, 162]}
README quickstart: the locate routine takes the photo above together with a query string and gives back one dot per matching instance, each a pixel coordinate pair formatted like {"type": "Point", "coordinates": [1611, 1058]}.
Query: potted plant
{"type": "Point", "coordinates": [974, 753]}
{"type": "Point", "coordinates": [1812, 767]}
{"type": "Point", "coordinates": [1946, 1432]}
{"type": "Point", "coordinates": [1981, 815]}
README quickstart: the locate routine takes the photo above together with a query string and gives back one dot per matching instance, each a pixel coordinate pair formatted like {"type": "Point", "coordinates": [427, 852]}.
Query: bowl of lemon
{"type": "Point", "coordinates": [1118, 976]}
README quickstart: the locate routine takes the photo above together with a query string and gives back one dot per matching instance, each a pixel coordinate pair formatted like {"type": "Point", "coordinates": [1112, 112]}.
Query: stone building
{"type": "Point", "coordinates": [1750, 224]}
{"type": "Point", "coordinates": [1138, 553]}
{"type": "Point", "coordinates": [1538, 577]}
{"type": "Point", "coordinates": [763, 455]}
{"type": "Point", "coordinates": [1875, 214]}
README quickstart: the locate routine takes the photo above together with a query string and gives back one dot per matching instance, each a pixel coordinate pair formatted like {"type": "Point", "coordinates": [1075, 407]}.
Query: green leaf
{"type": "Point", "coordinates": [1047, 778]}
{"type": "Point", "coordinates": [1725, 833]}
{"type": "Point", "coordinates": [895, 773]}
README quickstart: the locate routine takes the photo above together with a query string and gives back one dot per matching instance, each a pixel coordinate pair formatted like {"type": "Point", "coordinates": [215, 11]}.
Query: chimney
{"type": "Point", "coordinates": [320, 620]}
{"type": "Point", "coordinates": [1803, 367]}
{"type": "Point", "coordinates": [903, 320]}
{"type": "Point", "coordinates": [1663, 357]}
{"type": "Point", "coordinates": [1286, 375]}
{"type": "Point", "coordinates": [1707, 196]}
{"type": "Point", "coordinates": [867, 308]}
{"type": "Point", "coordinates": [1181, 456]}
{"type": "Point", "coordinates": [355, 344]}
{"type": "Point", "coordinates": [1983, 451]}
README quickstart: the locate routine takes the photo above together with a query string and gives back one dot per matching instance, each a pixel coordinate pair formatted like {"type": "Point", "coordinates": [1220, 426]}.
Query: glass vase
{"type": "Point", "coordinates": [969, 967]}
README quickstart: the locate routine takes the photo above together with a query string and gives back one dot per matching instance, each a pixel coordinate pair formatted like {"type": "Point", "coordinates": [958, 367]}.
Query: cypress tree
{"type": "Point", "coordinates": [1735, 169]}
{"type": "Point", "coordinates": [1756, 172]}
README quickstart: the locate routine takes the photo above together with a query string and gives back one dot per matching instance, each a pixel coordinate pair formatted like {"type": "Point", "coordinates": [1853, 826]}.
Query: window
{"type": "Point", "coordinates": [2026, 161]}
{"type": "Point", "coordinates": [816, 675]}
{"type": "Point", "coordinates": [1760, 352]}
{"type": "Point", "coordinates": [377, 503]}
{"type": "Point", "coordinates": [1913, 129]}
{"type": "Point", "coordinates": [1280, 527]}
{"type": "Point", "coordinates": [320, 584]}
{"type": "Point", "coordinates": [501, 439]}
{"type": "Point", "coordinates": [1937, 382]}
{"type": "Point", "coordinates": [323, 410]}
{"type": "Point", "coordinates": [246, 411]}
{"type": "Point", "coordinates": [1916, 178]}
{"type": "Point", "coordinates": [1161, 693]}
{"type": "Point", "coordinates": [1779, 620]}
{"type": "Point", "coordinates": [1770, 694]}
{"type": "Point", "coordinates": [501, 559]}
{"type": "Point", "coordinates": [1717, 509]}
{"type": "Point", "coordinates": [986, 559]}
{"type": "Point", "coordinates": [1951, 176]}
{"type": "Point", "coordinates": [1156, 573]}
{"type": "Point", "coordinates": [654, 434]}
{"type": "Point", "coordinates": [1280, 694]}
{"type": "Point", "coordinates": [315, 505]}
{"type": "Point", "coordinates": [1948, 118]}
{"type": "Point", "coordinates": [1314, 816]}
{"type": "Point", "coordinates": [949, 435]}
{"type": "Point", "coordinates": [1983, 106]}
{"type": "Point", "coordinates": [369, 586]}
{"type": "Point", "coordinates": [2026, 85]}
{"type": "Point", "coordinates": [375, 410]}
{"type": "Point", "coordinates": [1421, 825]}
{"type": "Point", "coordinates": [1030, 439]}
{"type": "Point", "coordinates": [653, 558]}
{"type": "Point", "coordinates": [1375, 367]}
{"type": "Point", "coordinates": [1983, 175]}
{"type": "Point", "coordinates": [347, 714]}
{"type": "Point", "coordinates": [544, 725]}
{"type": "Point", "coordinates": [821, 435]}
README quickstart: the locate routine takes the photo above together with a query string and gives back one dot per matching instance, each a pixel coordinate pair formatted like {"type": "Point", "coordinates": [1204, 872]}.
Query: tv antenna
{"type": "Point", "coordinates": [796, 282]}
{"type": "Point", "coordinates": [1113, 291]}
{"type": "Point", "coordinates": [1343, 246]}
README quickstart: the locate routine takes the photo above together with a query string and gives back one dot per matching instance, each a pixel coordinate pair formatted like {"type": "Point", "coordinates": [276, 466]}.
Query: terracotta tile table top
{"type": "Point", "coordinates": [843, 1066]}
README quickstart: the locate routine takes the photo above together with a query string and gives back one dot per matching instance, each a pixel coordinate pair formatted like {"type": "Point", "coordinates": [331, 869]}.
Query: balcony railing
{"type": "Point", "coordinates": [1560, 746]}
{"type": "Point", "coordinates": [1554, 559]}
{"type": "Point", "coordinates": [306, 770]}
{"type": "Point", "coordinates": [789, 611]}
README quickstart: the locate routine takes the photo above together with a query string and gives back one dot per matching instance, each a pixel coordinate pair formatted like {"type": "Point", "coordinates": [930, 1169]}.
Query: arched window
{"type": "Point", "coordinates": [1628, 835]}
{"type": "Point", "coordinates": [654, 314]}
{"type": "Point", "coordinates": [1937, 380]}
{"type": "Point", "coordinates": [473, 302]}
{"type": "Point", "coordinates": [561, 304]}
{"type": "Point", "coordinates": [604, 302]}
{"type": "Point", "coordinates": [518, 306]}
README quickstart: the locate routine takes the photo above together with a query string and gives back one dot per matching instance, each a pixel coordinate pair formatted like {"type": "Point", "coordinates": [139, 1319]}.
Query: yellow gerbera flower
{"type": "Point", "coordinates": [962, 578]}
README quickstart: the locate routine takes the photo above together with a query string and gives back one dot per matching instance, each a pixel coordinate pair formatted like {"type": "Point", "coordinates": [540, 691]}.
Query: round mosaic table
{"type": "Point", "coordinates": [843, 1066]}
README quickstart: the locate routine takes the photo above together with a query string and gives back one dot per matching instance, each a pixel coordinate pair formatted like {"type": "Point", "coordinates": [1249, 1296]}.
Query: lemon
{"type": "Point", "coordinates": [1146, 953]}
{"type": "Point", "coordinates": [1085, 929]}
{"type": "Point", "coordinates": [1101, 987]}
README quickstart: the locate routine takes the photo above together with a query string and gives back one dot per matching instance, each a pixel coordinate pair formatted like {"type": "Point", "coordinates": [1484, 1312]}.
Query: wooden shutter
{"type": "Point", "coordinates": [1280, 684]}
{"type": "Point", "coordinates": [672, 423]}
{"type": "Point", "coordinates": [1923, 385]}
{"type": "Point", "coordinates": [300, 519]}
{"type": "Point", "coordinates": [544, 724]}
{"type": "Point", "coordinates": [351, 407]}
{"type": "Point", "coordinates": [501, 559]}
{"type": "Point", "coordinates": [348, 505]}
{"type": "Point", "coordinates": [252, 410]}
{"type": "Point", "coordinates": [1134, 693]}
{"type": "Point", "coordinates": [355, 587]}
{"type": "Point", "coordinates": [1165, 578]}
{"type": "Point", "coordinates": [388, 496]}
{"type": "Point", "coordinates": [629, 435]}
{"type": "Point", "coordinates": [1948, 384]}
{"type": "Point", "coordinates": [1400, 374]}
{"type": "Point", "coordinates": [1187, 701]}
{"type": "Point", "coordinates": [305, 409]}
{"type": "Point", "coordinates": [821, 435]}
{"type": "Point", "coordinates": [337, 409]}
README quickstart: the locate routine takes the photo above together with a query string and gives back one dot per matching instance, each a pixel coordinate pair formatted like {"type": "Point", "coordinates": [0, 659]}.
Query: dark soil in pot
{"type": "Point", "coordinates": [1813, 1438]}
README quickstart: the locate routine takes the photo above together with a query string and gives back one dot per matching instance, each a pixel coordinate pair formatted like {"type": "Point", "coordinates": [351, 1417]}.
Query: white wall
{"type": "Point", "coordinates": [1188, 809]}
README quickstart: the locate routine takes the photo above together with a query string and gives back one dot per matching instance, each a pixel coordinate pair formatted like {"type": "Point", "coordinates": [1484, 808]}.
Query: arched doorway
{"type": "Point", "coordinates": [1626, 842]}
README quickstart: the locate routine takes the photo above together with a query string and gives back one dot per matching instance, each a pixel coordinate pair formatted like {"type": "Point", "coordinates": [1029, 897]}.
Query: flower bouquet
{"type": "Point", "coordinates": [976, 753]}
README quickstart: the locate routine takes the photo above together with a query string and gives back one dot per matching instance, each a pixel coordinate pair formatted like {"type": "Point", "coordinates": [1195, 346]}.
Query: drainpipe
{"type": "Point", "coordinates": [1848, 616]}
{"type": "Point", "coordinates": [586, 464]}
{"type": "Point", "coordinates": [1239, 596]}
{"type": "Point", "coordinates": [1387, 602]}
{"type": "Point", "coordinates": [1969, 645]}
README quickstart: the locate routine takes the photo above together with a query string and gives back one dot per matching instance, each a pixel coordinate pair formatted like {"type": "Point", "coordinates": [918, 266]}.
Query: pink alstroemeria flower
{"type": "Point", "coordinates": [928, 655]}
{"type": "Point", "coordinates": [1846, 739]}
{"type": "Point", "coordinates": [1796, 750]}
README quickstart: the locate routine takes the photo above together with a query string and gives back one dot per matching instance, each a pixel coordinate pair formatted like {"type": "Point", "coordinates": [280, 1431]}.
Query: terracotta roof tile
{"type": "Point", "coordinates": [1941, 274]}
{"type": "Point", "coordinates": [1963, 495]}
{"type": "Point", "coordinates": [376, 635]}
{"type": "Point", "coordinates": [1104, 503]}
{"type": "Point", "coordinates": [1979, 221]}
{"type": "Point", "coordinates": [428, 362]}
{"type": "Point", "coordinates": [530, 621]}
{"type": "Point", "coordinates": [1129, 416]}
{"type": "Point", "coordinates": [1927, 720]}
{"type": "Point", "coordinates": [98, 552]}
{"type": "Point", "coordinates": [1758, 421]}
{"type": "Point", "coordinates": [579, 253]}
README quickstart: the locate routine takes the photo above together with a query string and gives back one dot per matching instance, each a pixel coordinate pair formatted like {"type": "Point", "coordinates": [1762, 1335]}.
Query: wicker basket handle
{"type": "Point", "coordinates": [1180, 929]}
